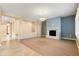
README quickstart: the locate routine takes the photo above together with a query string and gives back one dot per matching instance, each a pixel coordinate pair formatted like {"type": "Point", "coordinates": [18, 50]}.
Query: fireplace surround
{"type": "Point", "coordinates": [53, 34]}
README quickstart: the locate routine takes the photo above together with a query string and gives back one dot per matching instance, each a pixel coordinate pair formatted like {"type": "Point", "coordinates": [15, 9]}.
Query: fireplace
{"type": "Point", "coordinates": [52, 32]}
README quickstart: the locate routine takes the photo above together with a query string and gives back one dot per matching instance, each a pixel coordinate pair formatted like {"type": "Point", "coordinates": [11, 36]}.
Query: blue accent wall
{"type": "Point", "coordinates": [68, 27]}
{"type": "Point", "coordinates": [65, 26]}
{"type": "Point", "coordinates": [54, 24]}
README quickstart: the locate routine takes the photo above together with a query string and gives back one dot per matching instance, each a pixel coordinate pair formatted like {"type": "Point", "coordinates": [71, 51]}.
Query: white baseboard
{"type": "Point", "coordinates": [68, 38]}
{"type": "Point", "coordinates": [53, 37]}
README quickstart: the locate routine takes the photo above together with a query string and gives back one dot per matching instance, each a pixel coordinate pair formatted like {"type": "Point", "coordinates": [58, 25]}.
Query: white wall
{"type": "Point", "coordinates": [24, 29]}
{"type": "Point", "coordinates": [77, 24]}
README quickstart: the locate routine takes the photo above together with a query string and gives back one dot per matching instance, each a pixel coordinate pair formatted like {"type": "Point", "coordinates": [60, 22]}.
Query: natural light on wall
{"type": "Point", "coordinates": [6, 19]}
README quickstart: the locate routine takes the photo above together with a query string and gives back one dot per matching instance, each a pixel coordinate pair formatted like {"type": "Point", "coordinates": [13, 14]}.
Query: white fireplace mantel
{"type": "Point", "coordinates": [54, 37]}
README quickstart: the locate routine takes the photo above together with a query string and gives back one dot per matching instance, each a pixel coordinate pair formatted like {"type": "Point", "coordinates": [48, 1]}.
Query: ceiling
{"type": "Point", "coordinates": [37, 10]}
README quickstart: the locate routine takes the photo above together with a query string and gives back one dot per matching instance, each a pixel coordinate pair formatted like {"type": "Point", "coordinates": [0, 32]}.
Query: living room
{"type": "Point", "coordinates": [39, 29]}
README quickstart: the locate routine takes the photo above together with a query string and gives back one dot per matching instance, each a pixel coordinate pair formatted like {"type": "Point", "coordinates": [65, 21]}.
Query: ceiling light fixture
{"type": "Point", "coordinates": [42, 19]}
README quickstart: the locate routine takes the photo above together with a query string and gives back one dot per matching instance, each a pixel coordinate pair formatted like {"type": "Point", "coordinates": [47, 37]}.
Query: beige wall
{"type": "Point", "coordinates": [24, 29]}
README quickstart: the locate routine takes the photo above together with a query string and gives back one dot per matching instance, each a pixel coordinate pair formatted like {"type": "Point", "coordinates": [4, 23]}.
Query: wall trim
{"type": "Point", "coordinates": [77, 42]}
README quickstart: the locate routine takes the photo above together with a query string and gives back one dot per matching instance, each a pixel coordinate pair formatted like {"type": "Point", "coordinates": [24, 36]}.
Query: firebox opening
{"type": "Point", "coordinates": [52, 32]}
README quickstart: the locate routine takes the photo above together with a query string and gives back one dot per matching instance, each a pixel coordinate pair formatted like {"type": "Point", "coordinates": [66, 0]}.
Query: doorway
{"type": "Point", "coordinates": [5, 29]}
